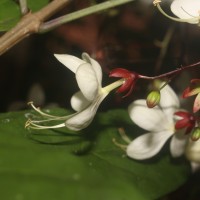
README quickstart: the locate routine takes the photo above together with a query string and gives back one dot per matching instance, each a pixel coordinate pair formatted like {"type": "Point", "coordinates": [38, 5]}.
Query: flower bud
{"type": "Point", "coordinates": [195, 134]}
{"type": "Point", "coordinates": [130, 79]}
{"type": "Point", "coordinates": [153, 98]}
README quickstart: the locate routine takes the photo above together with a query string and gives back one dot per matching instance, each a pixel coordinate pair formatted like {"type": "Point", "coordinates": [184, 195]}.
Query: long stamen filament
{"type": "Point", "coordinates": [39, 111]}
{"type": "Point", "coordinates": [124, 136]}
{"type": "Point", "coordinates": [31, 124]}
{"type": "Point", "coordinates": [121, 146]}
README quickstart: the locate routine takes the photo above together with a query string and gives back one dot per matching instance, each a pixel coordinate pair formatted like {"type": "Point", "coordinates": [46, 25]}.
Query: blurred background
{"type": "Point", "coordinates": [129, 36]}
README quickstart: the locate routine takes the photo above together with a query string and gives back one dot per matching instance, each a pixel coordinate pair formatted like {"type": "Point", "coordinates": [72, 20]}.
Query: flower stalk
{"type": "Point", "coordinates": [80, 13]}
{"type": "Point", "coordinates": [113, 85]}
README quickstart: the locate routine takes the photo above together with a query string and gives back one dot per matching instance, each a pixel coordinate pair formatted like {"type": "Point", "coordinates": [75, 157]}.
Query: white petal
{"type": "Point", "coordinates": [150, 119]}
{"type": "Point", "coordinates": [95, 65]}
{"type": "Point", "coordinates": [195, 166]}
{"type": "Point", "coordinates": [193, 151]}
{"type": "Point", "coordinates": [178, 143]}
{"type": "Point", "coordinates": [87, 81]}
{"type": "Point", "coordinates": [81, 120]}
{"type": "Point", "coordinates": [147, 145]}
{"type": "Point", "coordinates": [186, 9]}
{"type": "Point", "coordinates": [169, 102]}
{"type": "Point", "coordinates": [71, 62]}
{"type": "Point", "coordinates": [79, 102]}
{"type": "Point", "coordinates": [168, 98]}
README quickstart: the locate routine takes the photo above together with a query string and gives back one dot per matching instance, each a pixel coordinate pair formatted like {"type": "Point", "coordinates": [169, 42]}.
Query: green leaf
{"type": "Point", "coordinates": [35, 5]}
{"type": "Point", "coordinates": [10, 12]}
{"type": "Point", "coordinates": [61, 164]}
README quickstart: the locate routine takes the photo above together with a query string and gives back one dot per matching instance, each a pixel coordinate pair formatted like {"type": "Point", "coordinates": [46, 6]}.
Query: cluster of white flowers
{"type": "Point", "coordinates": [160, 125]}
{"type": "Point", "coordinates": [187, 11]}
{"type": "Point", "coordinates": [158, 121]}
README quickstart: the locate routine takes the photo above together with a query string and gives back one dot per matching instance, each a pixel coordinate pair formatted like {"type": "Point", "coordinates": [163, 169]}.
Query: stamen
{"type": "Point", "coordinates": [39, 111]}
{"type": "Point", "coordinates": [121, 146]}
{"type": "Point", "coordinates": [156, 2]}
{"type": "Point", "coordinates": [31, 124]}
{"type": "Point", "coordinates": [124, 136]}
{"type": "Point", "coordinates": [47, 115]}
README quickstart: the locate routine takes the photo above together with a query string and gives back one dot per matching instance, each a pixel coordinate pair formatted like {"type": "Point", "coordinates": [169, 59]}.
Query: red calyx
{"type": "Point", "coordinates": [187, 121]}
{"type": "Point", "coordinates": [130, 80]}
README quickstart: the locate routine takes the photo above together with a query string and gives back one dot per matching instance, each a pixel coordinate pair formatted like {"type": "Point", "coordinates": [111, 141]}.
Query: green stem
{"type": "Point", "coordinates": [113, 86]}
{"type": "Point", "coordinates": [23, 6]}
{"type": "Point", "coordinates": [81, 13]}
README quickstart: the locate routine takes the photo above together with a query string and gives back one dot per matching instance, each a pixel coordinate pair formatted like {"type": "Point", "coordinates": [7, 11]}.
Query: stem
{"type": "Point", "coordinates": [174, 72]}
{"type": "Point", "coordinates": [164, 47]}
{"type": "Point", "coordinates": [23, 7]}
{"type": "Point", "coordinates": [29, 24]}
{"type": "Point", "coordinates": [81, 13]}
{"type": "Point", "coordinates": [114, 85]}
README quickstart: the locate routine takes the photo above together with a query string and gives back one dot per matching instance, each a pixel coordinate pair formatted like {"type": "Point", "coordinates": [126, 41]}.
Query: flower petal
{"type": "Point", "coordinates": [178, 143]}
{"type": "Point", "coordinates": [190, 91]}
{"type": "Point", "coordinates": [193, 151]}
{"type": "Point", "coordinates": [195, 166]}
{"type": "Point", "coordinates": [71, 62]}
{"type": "Point", "coordinates": [196, 106]}
{"type": "Point", "coordinates": [169, 101]}
{"type": "Point", "coordinates": [185, 9]}
{"type": "Point", "coordinates": [79, 102]}
{"type": "Point", "coordinates": [150, 119]}
{"type": "Point", "coordinates": [87, 81]}
{"type": "Point", "coordinates": [81, 120]}
{"type": "Point", "coordinates": [169, 98]}
{"type": "Point", "coordinates": [147, 145]}
{"type": "Point", "coordinates": [95, 65]}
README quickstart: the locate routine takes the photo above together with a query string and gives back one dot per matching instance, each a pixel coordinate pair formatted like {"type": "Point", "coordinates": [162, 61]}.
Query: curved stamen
{"type": "Point", "coordinates": [121, 146]}
{"type": "Point", "coordinates": [30, 124]}
{"type": "Point", "coordinates": [39, 111]}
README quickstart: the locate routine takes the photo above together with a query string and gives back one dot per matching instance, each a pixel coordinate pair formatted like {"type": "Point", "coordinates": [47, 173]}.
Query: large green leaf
{"type": "Point", "coordinates": [10, 11]}
{"type": "Point", "coordinates": [62, 165]}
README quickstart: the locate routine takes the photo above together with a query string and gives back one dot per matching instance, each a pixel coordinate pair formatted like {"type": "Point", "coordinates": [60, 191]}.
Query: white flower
{"type": "Point", "coordinates": [193, 154]}
{"type": "Point", "coordinates": [159, 123]}
{"type": "Point", "coordinates": [86, 101]}
{"type": "Point", "coordinates": [88, 74]}
{"type": "Point", "coordinates": [187, 9]}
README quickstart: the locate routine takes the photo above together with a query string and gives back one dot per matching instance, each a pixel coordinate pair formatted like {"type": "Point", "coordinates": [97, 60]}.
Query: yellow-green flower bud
{"type": "Point", "coordinates": [195, 134]}
{"type": "Point", "coordinates": [153, 98]}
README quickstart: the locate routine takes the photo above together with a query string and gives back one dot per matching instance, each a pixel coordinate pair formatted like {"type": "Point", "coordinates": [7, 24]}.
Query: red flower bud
{"type": "Point", "coordinates": [130, 80]}
{"type": "Point", "coordinates": [193, 89]}
{"type": "Point", "coordinates": [187, 121]}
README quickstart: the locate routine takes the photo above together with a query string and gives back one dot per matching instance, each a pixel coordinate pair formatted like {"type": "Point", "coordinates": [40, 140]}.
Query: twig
{"type": "Point", "coordinates": [81, 13]}
{"type": "Point", "coordinates": [171, 73]}
{"type": "Point", "coordinates": [164, 46]}
{"type": "Point", "coordinates": [23, 6]}
{"type": "Point", "coordinates": [34, 22]}
{"type": "Point", "coordinates": [29, 24]}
